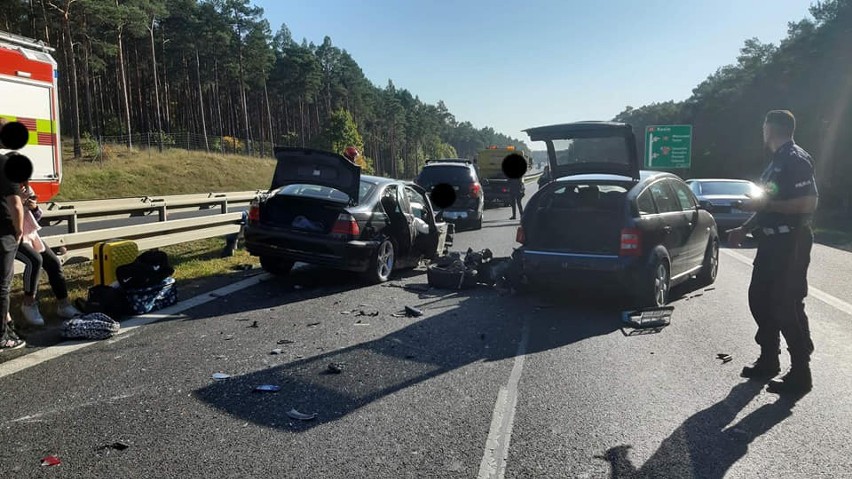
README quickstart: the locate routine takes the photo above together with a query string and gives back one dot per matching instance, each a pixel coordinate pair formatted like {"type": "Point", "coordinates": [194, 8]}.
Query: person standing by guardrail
{"type": "Point", "coordinates": [35, 255]}
{"type": "Point", "coordinates": [11, 232]}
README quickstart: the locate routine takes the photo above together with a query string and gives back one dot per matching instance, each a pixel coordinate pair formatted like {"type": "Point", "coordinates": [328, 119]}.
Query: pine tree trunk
{"type": "Point", "coordinates": [124, 90]}
{"type": "Point", "coordinates": [156, 89]}
{"type": "Point", "coordinates": [75, 103]}
{"type": "Point", "coordinates": [201, 101]}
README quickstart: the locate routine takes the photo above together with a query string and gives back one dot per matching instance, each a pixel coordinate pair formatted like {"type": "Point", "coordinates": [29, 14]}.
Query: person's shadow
{"type": "Point", "coordinates": [704, 445]}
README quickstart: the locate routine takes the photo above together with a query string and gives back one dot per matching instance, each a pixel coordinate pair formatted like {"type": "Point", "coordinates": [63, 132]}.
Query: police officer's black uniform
{"type": "Point", "coordinates": [779, 280]}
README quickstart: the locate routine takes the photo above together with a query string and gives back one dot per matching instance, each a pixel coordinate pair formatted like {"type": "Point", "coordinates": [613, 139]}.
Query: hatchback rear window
{"type": "Point", "coordinates": [453, 175]}
{"type": "Point", "coordinates": [598, 196]}
{"type": "Point", "coordinates": [323, 192]}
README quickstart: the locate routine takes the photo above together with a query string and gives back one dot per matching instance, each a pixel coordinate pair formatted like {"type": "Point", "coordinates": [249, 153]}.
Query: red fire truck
{"type": "Point", "coordinates": [29, 94]}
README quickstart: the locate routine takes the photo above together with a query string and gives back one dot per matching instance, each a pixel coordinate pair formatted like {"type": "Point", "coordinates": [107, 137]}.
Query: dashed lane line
{"type": "Point", "coordinates": [493, 465]}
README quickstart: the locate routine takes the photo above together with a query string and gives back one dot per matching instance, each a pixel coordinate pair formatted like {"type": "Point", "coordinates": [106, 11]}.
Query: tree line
{"type": "Point", "coordinates": [809, 72]}
{"type": "Point", "coordinates": [214, 68]}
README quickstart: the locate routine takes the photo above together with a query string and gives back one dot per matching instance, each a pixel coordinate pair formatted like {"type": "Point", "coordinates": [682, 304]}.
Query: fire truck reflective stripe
{"type": "Point", "coordinates": [46, 139]}
{"type": "Point", "coordinates": [42, 132]}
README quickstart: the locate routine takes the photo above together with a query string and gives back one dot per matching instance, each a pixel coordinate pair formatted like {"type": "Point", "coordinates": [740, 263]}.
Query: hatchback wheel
{"type": "Point", "coordinates": [383, 262]}
{"type": "Point", "coordinates": [656, 290]}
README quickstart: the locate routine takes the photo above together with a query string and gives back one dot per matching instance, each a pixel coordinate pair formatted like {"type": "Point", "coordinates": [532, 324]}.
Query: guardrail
{"type": "Point", "coordinates": [75, 213]}
{"type": "Point", "coordinates": [79, 246]}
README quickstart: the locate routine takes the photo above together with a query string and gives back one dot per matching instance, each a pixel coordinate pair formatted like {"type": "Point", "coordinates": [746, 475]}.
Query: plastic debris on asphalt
{"type": "Point", "coordinates": [254, 325]}
{"type": "Point", "coordinates": [51, 461]}
{"type": "Point", "coordinates": [285, 341]}
{"type": "Point", "coordinates": [220, 376]}
{"type": "Point", "coordinates": [335, 368]}
{"type": "Point", "coordinates": [294, 414]}
{"type": "Point", "coordinates": [267, 388]}
{"type": "Point", "coordinates": [118, 446]}
{"type": "Point", "coordinates": [726, 358]}
{"type": "Point", "coordinates": [277, 351]}
{"type": "Point", "coordinates": [314, 324]}
{"type": "Point", "coordinates": [412, 312]}
{"type": "Point", "coordinates": [648, 318]}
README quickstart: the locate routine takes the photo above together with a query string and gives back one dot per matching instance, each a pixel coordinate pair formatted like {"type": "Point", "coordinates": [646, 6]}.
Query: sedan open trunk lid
{"type": "Point", "coordinates": [316, 167]}
{"type": "Point", "coordinates": [589, 147]}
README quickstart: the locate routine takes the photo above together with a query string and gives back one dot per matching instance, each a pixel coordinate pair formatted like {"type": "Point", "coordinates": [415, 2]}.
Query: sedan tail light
{"type": "Point", "coordinates": [631, 242]}
{"type": "Point", "coordinates": [346, 225]}
{"type": "Point", "coordinates": [520, 237]}
{"type": "Point", "coordinates": [475, 190]}
{"type": "Point", "coordinates": [254, 212]}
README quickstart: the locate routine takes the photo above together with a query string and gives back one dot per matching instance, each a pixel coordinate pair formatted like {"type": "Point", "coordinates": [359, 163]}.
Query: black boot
{"type": "Point", "coordinates": [797, 381]}
{"type": "Point", "coordinates": [767, 366]}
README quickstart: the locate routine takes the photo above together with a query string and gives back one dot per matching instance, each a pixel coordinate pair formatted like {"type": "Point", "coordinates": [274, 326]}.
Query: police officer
{"type": "Point", "coordinates": [781, 223]}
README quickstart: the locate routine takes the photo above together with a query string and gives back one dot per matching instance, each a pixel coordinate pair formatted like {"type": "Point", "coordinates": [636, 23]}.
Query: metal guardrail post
{"type": "Point", "coordinates": [225, 206]}
{"type": "Point", "coordinates": [161, 210]}
{"type": "Point", "coordinates": [72, 223]}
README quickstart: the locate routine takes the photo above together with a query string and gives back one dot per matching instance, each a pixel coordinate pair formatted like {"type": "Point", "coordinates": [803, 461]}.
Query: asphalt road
{"type": "Point", "coordinates": [554, 382]}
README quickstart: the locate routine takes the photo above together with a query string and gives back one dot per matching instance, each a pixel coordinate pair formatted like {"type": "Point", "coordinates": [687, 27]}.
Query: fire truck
{"type": "Point", "coordinates": [29, 93]}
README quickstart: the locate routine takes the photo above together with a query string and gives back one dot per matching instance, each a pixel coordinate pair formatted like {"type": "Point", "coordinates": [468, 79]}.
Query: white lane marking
{"type": "Point", "coordinates": [61, 349]}
{"type": "Point", "coordinates": [816, 293]}
{"type": "Point", "coordinates": [493, 463]}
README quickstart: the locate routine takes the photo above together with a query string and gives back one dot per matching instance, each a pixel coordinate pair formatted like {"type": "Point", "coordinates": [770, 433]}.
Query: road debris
{"type": "Point", "coordinates": [118, 446]}
{"type": "Point", "coordinates": [51, 461]}
{"type": "Point", "coordinates": [726, 358]}
{"type": "Point", "coordinates": [360, 312]}
{"type": "Point", "coordinates": [267, 388]}
{"type": "Point", "coordinates": [254, 325]}
{"type": "Point", "coordinates": [413, 312]}
{"type": "Point", "coordinates": [294, 414]}
{"type": "Point", "coordinates": [220, 376]}
{"type": "Point", "coordinates": [335, 368]}
{"type": "Point", "coordinates": [277, 351]}
{"type": "Point", "coordinates": [361, 323]}
{"type": "Point", "coordinates": [285, 341]}
{"type": "Point", "coordinates": [648, 318]}
{"type": "Point", "coordinates": [310, 325]}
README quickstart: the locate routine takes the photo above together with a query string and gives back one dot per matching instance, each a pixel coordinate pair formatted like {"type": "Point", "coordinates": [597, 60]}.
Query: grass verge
{"type": "Point", "coordinates": [129, 173]}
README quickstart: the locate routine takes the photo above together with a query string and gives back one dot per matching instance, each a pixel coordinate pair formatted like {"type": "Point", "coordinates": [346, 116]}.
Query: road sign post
{"type": "Point", "coordinates": [668, 147]}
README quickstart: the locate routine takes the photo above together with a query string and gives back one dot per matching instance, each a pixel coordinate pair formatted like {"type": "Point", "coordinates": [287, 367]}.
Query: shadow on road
{"type": "Point", "coordinates": [475, 326]}
{"type": "Point", "coordinates": [704, 445]}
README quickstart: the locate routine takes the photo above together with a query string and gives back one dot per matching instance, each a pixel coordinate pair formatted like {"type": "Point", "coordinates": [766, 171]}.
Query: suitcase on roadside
{"type": "Point", "coordinates": [109, 255]}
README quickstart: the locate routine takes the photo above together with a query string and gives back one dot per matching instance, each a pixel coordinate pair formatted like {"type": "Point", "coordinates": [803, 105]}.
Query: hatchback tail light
{"type": "Point", "coordinates": [631, 242]}
{"type": "Point", "coordinates": [475, 190]}
{"type": "Point", "coordinates": [346, 225]}
{"type": "Point", "coordinates": [520, 237]}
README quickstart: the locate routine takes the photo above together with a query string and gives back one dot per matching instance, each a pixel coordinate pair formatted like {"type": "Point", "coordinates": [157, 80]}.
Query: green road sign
{"type": "Point", "coordinates": [668, 146]}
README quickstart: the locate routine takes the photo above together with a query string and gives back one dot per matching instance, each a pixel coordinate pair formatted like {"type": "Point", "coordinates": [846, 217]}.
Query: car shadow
{"type": "Point", "coordinates": [478, 327]}
{"type": "Point", "coordinates": [705, 445]}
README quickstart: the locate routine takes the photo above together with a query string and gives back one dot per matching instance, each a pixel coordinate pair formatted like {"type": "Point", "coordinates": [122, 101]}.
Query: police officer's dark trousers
{"type": "Point", "coordinates": [776, 295]}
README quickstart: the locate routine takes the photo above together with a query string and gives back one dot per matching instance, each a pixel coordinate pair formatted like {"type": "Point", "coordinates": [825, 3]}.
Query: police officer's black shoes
{"type": "Point", "coordinates": [766, 367]}
{"type": "Point", "coordinates": [797, 381]}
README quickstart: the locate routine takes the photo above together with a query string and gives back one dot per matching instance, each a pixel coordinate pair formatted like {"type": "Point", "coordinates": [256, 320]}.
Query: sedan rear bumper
{"type": "Point", "coordinates": [338, 254]}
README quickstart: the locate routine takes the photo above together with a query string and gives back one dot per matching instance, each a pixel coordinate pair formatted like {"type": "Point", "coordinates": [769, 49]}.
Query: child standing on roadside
{"type": "Point", "coordinates": [35, 255]}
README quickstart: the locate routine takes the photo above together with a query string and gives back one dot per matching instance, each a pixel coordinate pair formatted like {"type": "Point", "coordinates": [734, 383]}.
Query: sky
{"type": "Point", "coordinates": [515, 65]}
